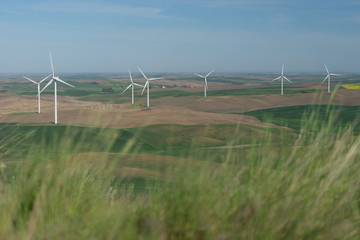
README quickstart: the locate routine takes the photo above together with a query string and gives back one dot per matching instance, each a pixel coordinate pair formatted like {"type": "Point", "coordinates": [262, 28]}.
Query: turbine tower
{"type": "Point", "coordinates": [132, 87]}
{"type": "Point", "coordinates": [205, 78]}
{"type": "Point", "coordinates": [38, 84]}
{"type": "Point", "coordinates": [282, 77]}
{"type": "Point", "coordinates": [55, 80]}
{"type": "Point", "coordinates": [329, 76]}
{"type": "Point", "coordinates": [147, 85]}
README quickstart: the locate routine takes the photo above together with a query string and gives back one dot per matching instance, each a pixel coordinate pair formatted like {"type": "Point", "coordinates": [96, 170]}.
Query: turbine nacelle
{"type": "Point", "coordinates": [328, 77]}
{"type": "Point", "coordinates": [147, 85]}
{"type": "Point", "coordinates": [202, 76]}
{"type": "Point", "coordinates": [199, 75]}
{"type": "Point", "coordinates": [35, 81]}
{"type": "Point", "coordinates": [55, 80]}
{"type": "Point", "coordinates": [38, 84]}
{"type": "Point", "coordinates": [282, 77]}
{"type": "Point", "coordinates": [147, 80]}
{"type": "Point", "coordinates": [205, 79]}
{"type": "Point", "coordinates": [132, 83]}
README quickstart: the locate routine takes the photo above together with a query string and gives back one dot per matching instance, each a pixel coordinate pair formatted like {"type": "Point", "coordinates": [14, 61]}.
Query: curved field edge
{"type": "Point", "coordinates": [176, 140]}
{"type": "Point", "coordinates": [296, 116]}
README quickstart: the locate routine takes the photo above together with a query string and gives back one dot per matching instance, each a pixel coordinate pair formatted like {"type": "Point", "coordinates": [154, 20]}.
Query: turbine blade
{"type": "Point", "coordinates": [130, 76]}
{"type": "Point", "coordinates": [30, 80]}
{"type": "Point", "coordinates": [210, 73]}
{"type": "Point", "coordinates": [287, 79]}
{"type": "Point", "coordinates": [127, 88]}
{"type": "Point", "coordinates": [144, 87]}
{"type": "Point", "coordinates": [50, 82]}
{"type": "Point", "coordinates": [52, 66]}
{"type": "Point", "coordinates": [152, 79]}
{"type": "Point", "coordinates": [199, 75]}
{"type": "Point", "coordinates": [333, 74]}
{"type": "Point", "coordinates": [276, 79]}
{"type": "Point", "coordinates": [326, 68]}
{"type": "Point", "coordinates": [143, 74]}
{"type": "Point", "coordinates": [282, 70]}
{"type": "Point", "coordinates": [325, 79]}
{"type": "Point", "coordinates": [62, 81]}
{"type": "Point", "coordinates": [138, 85]}
{"type": "Point", "coordinates": [45, 79]}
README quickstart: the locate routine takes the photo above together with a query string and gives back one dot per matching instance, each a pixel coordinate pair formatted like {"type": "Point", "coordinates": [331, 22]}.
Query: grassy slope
{"type": "Point", "coordinates": [163, 139]}
{"type": "Point", "coordinates": [201, 142]}
{"type": "Point", "coordinates": [310, 191]}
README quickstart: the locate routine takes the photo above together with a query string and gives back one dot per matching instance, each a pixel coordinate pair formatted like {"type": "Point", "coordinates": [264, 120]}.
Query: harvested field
{"type": "Point", "coordinates": [239, 104]}
{"type": "Point", "coordinates": [189, 110]}
{"type": "Point", "coordinates": [186, 110]}
{"type": "Point", "coordinates": [72, 111]}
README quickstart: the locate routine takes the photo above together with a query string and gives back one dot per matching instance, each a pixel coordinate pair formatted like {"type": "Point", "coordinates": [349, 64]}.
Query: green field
{"type": "Point", "coordinates": [267, 189]}
{"type": "Point", "coordinates": [119, 98]}
{"type": "Point", "coordinates": [184, 182]}
{"type": "Point", "coordinates": [22, 113]}
{"type": "Point", "coordinates": [175, 140]}
{"type": "Point", "coordinates": [92, 91]}
{"type": "Point", "coordinates": [296, 117]}
{"type": "Point", "coordinates": [202, 143]}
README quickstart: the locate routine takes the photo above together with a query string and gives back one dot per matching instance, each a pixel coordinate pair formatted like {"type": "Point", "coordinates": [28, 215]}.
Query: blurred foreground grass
{"type": "Point", "coordinates": [72, 183]}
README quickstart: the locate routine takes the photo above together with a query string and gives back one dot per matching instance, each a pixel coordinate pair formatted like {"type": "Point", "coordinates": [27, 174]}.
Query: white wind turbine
{"type": "Point", "coordinates": [329, 76]}
{"type": "Point", "coordinates": [132, 87]}
{"type": "Point", "coordinates": [205, 78]}
{"type": "Point", "coordinates": [55, 80]}
{"type": "Point", "coordinates": [147, 85]}
{"type": "Point", "coordinates": [282, 77]}
{"type": "Point", "coordinates": [38, 84]}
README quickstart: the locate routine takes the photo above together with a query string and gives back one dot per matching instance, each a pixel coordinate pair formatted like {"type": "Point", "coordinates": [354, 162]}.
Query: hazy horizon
{"type": "Point", "coordinates": [135, 73]}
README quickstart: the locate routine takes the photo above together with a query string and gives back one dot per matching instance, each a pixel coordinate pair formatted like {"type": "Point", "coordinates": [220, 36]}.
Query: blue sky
{"type": "Point", "coordinates": [179, 35]}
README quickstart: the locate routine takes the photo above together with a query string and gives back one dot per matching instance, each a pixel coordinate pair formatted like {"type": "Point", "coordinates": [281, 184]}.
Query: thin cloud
{"type": "Point", "coordinates": [97, 7]}
{"type": "Point", "coordinates": [241, 3]}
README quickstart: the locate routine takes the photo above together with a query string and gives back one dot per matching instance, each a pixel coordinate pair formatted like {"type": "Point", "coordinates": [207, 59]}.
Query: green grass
{"type": "Point", "coordinates": [296, 116]}
{"type": "Point", "coordinates": [180, 93]}
{"type": "Point", "coordinates": [283, 185]}
{"type": "Point", "coordinates": [170, 140]}
{"type": "Point", "coordinates": [91, 139]}
{"type": "Point", "coordinates": [22, 113]}
{"type": "Point", "coordinates": [92, 91]}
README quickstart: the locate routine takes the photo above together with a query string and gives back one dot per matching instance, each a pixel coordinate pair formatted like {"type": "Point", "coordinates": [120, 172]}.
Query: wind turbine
{"type": "Point", "coordinates": [282, 77]}
{"type": "Point", "coordinates": [38, 84]}
{"type": "Point", "coordinates": [147, 85]}
{"type": "Point", "coordinates": [132, 87]}
{"type": "Point", "coordinates": [205, 78]}
{"type": "Point", "coordinates": [55, 80]}
{"type": "Point", "coordinates": [329, 76]}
